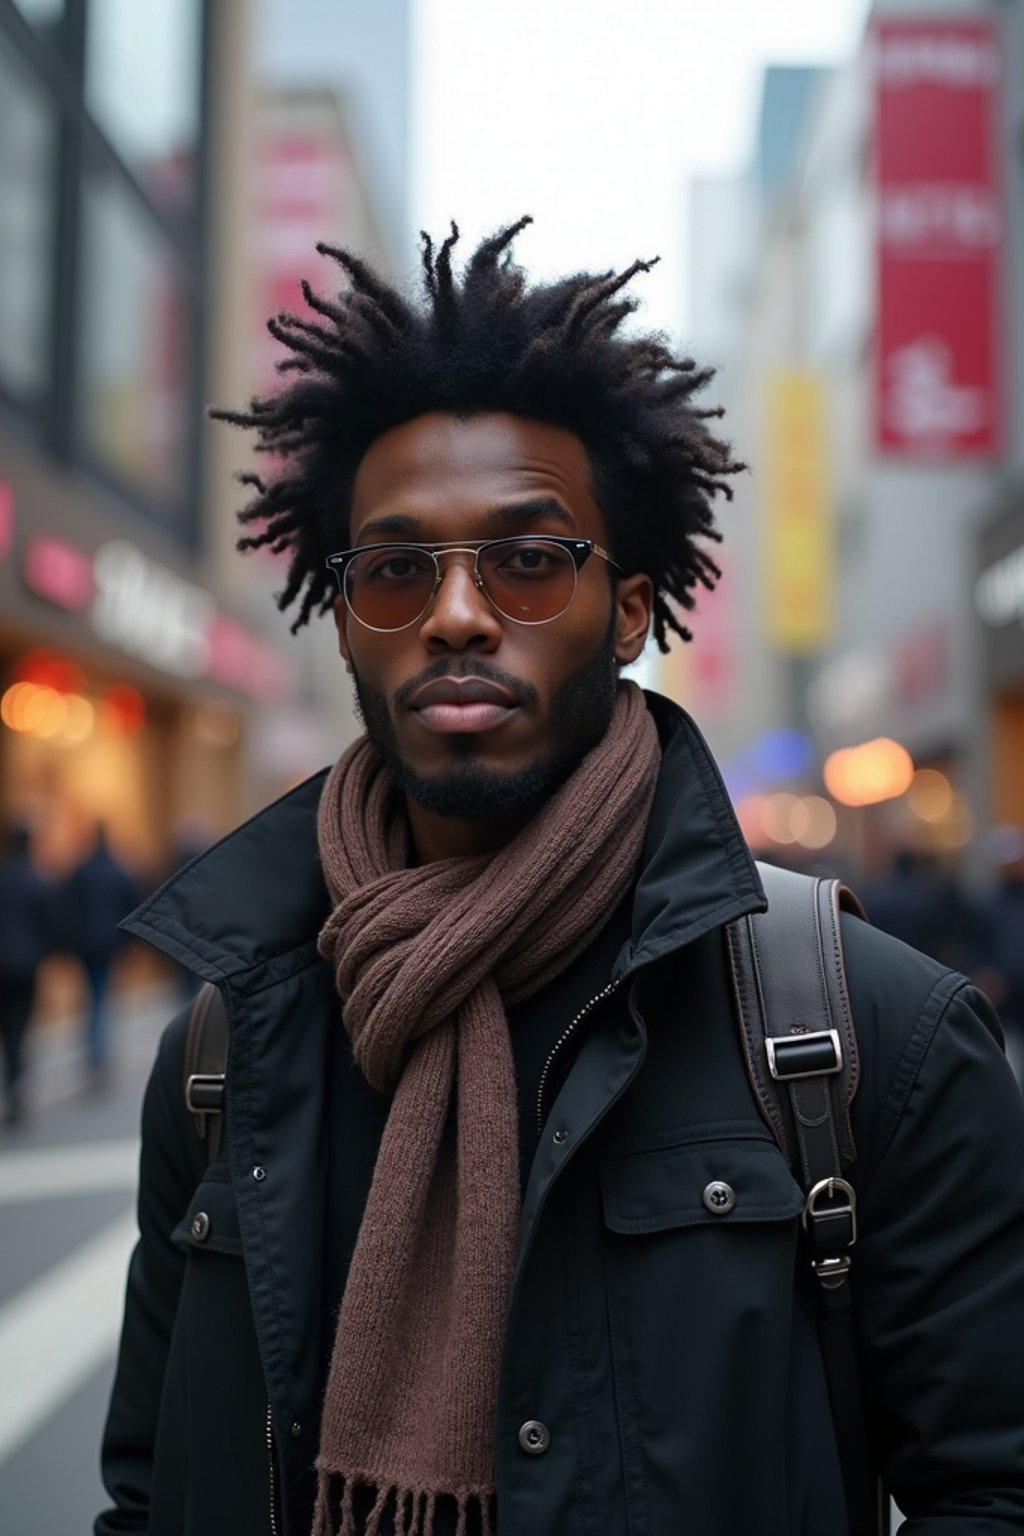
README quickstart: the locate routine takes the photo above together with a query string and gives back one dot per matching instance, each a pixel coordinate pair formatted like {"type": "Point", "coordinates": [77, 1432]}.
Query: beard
{"type": "Point", "coordinates": [473, 791]}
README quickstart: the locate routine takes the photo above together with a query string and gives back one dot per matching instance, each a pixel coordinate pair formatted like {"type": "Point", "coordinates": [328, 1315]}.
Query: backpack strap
{"type": "Point", "coordinates": [801, 1053]}
{"type": "Point", "coordinates": [206, 1060]}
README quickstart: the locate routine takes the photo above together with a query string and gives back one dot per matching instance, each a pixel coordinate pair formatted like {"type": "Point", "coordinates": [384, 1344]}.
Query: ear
{"type": "Point", "coordinates": [341, 625]}
{"type": "Point", "coordinates": [634, 601]}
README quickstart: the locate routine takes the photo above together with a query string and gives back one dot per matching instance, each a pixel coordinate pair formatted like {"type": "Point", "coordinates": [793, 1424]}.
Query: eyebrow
{"type": "Point", "coordinates": [504, 515]}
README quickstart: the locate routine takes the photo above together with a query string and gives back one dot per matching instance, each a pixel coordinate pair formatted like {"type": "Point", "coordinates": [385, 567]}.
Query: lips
{"type": "Point", "coordinates": [452, 705]}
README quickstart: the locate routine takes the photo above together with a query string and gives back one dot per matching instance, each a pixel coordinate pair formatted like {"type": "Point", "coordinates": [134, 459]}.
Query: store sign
{"type": "Point", "coordinates": [148, 611]}
{"type": "Point", "coordinates": [999, 593]}
{"type": "Point", "coordinates": [940, 226]}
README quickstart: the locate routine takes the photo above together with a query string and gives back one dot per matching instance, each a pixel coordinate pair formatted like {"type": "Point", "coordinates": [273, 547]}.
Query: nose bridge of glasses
{"type": "Point", "coordinates": [457, 549]}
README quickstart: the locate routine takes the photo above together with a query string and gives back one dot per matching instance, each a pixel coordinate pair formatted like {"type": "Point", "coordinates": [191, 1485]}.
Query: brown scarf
{"type": "Point", "coordinates": [425, 959]}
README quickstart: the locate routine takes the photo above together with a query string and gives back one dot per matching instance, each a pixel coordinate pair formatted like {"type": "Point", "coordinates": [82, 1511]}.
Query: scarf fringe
{"type": "Point", "coordinates": [413, 1509]}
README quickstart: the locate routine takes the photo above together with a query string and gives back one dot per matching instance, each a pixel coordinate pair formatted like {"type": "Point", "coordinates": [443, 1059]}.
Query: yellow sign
{"type": "Point", "coordinates": [799, 529]}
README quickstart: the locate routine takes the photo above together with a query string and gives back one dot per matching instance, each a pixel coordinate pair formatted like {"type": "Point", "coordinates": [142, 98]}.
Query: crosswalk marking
{"type": "Point", "coordinates": [86, 1168]}
{"type": "Point", "coordinates": [57, 1331]}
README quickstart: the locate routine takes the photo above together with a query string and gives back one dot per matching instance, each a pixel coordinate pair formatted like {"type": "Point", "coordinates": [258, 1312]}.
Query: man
{"type": "Point", "coordinates": [99, 893]}
{"type": "Point", "coordinates": [455, 1270]}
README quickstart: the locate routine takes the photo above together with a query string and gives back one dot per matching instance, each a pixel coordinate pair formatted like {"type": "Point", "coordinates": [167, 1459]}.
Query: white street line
{"type": "Point", "coordinates": [84, 1168]}
{"type": "Point", "coordinates": [57, 1331]}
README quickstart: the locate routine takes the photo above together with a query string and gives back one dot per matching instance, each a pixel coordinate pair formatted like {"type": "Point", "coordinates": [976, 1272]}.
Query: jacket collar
{"type": "Point", "coordinates": [255, 902]}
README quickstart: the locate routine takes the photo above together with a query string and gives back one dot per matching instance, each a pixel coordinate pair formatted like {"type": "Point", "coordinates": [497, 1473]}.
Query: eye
{"type": "Point", "coordinates": [531, 560]}
{"type": "Point", "coordinates": [393, 566]}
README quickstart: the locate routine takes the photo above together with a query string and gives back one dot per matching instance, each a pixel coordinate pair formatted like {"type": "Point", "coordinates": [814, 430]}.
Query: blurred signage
{"type": "Point", "coordinates": [940, 221]}
{"type": "Point", "coordinates": [799, 529]}
{"type": "Point", "coordinates": [303, 192]}
{"type": "Point", "coordinates": [713, 662]}
{"type": "Point", "coordinates": [147, 610]}
{"type": "Point", "coordinates": [59, 572]}
{"type": "Point", "coordinates": [921, 664]}
{"type": "Point", "coordinates": [999, 594]}
{"type": "Point", "coordinates": [6, 519]}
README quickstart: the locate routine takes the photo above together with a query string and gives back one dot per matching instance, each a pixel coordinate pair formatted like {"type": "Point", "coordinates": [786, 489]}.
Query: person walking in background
{"type": "Point", "coordinates": [25, 940]}
{"type": "Point", "coordinates": [99, 893]}
{"type": "Point", "coordinates": [999, 940]}
{"type": "Point", "coordinates": [915, 902]}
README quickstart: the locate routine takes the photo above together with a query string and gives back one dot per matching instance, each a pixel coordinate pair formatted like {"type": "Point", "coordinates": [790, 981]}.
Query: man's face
{"type": "Point", "coordinates": [442, 479]}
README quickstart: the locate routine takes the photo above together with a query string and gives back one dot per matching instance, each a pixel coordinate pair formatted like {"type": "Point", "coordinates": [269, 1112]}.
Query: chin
{"type": "Point", "coordinates": [474, 791]}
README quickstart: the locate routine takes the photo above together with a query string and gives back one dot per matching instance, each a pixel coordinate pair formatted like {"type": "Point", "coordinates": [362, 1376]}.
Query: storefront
{"type": "Point", "coordinates": [125, 688]}
{"type": "Point", "coordinates": [999, 603]}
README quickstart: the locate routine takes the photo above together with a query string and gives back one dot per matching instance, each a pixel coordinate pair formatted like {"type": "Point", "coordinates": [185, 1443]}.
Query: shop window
{"type": "Point", "coordinates": [28, 168]}
{"type": "Point", "coordinates": [134, 346]}
{"type": "Point", "coordinates": [142, 70]}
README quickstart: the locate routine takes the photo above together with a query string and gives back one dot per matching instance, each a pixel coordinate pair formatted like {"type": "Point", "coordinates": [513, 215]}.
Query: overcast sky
{"type": "Point", "coordinates": [593, 115]}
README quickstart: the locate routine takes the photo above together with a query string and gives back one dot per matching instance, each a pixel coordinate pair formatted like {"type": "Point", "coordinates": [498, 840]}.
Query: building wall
{"type": "Point", "coordinates": [907, 653]}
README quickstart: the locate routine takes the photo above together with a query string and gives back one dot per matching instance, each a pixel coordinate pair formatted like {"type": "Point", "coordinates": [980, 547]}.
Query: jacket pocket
{"type": "Point", "coordinates": [697, 1183]}
{"type": "Point", "coordinates": [700, 1248]}
{"type": "Point", "coordinates": [210, 1224]}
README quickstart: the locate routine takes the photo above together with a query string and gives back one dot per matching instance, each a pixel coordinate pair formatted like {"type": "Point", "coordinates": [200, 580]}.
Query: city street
{"type": "Point", "coordinates": [67, 1225]}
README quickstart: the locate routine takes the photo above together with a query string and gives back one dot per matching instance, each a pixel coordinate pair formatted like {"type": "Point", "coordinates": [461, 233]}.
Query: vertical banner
{"type": "Point", "coordinates": [303, 190]}
{"type": "Point", "coordinates": [937, 363]}
{"type": "Point", "coordinates": [713, 669]}
{"type": "Point", "coordinates": [799, 524]}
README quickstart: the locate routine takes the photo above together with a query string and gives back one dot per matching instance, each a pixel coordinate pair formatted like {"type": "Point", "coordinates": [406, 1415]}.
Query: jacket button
{"type": "Point", "coordinates": [259, 1174]}
{"type": "Point", "coordinates": [200, 1226]}
{"type": "Point", "coordinates": [719, 1198]}
{"type": "Point", "coordinates": [534, 1437]}
{"type": "Point", "coordinates": [560, 1136]}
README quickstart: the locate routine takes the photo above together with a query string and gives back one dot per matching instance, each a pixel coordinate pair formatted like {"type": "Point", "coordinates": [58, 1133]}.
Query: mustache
{"type": "Point", "coordinates": [469, 666]}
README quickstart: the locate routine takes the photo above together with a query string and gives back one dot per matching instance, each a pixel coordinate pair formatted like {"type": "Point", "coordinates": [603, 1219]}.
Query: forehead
{"type": "Point", "coordinates": [442, 471]}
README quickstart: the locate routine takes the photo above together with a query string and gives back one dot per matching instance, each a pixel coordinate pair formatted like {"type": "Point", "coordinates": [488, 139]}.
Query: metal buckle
{"type": "Point", "coordinates": [828, 1189]}
{"type": "Point", "coordinates": [779, 1046]}
{"type": "Point", "coordinates": [214, 1080]}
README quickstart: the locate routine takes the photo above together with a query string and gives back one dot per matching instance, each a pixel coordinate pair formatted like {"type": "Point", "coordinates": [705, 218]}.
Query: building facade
{"type": "Point", "coordinates": [128, 676]}
{"type": "Point", "coordinates": [877, 358]}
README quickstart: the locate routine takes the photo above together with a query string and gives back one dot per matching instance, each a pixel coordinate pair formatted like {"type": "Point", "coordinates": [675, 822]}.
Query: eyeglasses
{"type": "Point", "coordinates": [529, 580]}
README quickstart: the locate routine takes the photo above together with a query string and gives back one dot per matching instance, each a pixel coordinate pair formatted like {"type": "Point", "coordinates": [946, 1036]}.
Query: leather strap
{"type": "Point", "coordinates": [789, 981]}
{"type": "Point", "coordinates": [801, 1052]}
{"type": "Point", "coordinates": [206, 1060]}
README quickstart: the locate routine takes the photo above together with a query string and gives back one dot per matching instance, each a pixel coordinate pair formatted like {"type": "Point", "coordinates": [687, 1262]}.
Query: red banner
{"type": "Point", "coordinates": [938, 366]}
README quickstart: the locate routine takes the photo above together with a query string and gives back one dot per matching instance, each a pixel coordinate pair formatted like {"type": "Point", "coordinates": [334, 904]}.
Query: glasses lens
{"type": "Point", "coordinates": [389, 587]}
{"type": "Point", "coordinates": [530, 580]}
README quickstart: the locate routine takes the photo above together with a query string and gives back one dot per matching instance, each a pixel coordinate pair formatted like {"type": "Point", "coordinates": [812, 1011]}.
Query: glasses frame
{"type": "Point", "coordinates": [579, 549]}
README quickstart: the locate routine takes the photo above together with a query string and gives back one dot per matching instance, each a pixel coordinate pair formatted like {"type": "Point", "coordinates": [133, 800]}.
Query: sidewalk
{"type": "Point", "coordinates": [55, 1069]}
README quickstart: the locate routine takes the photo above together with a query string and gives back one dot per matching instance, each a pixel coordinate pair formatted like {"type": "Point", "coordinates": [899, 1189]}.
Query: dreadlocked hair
{"type": "Point", "coordinates": [485, 341]}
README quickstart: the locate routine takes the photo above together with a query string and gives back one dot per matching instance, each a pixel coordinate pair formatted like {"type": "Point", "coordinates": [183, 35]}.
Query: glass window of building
{"type": "Point", "coordinates": [44, 14]}
{"type": "Point", "coordinates": [134, 346]}
{"type": "Point", "coordinates": [28, 170]}
{"type": "Point", "coordinates": [142, 72]}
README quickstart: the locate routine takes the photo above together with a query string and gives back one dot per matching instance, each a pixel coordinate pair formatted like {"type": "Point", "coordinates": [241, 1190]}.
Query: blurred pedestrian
{"type": "Point", "coordinates": [98, 894]}
{"type": "Point", "coordinates": [998, 967]}
{"type": "Point", "coordinates": [25, 940]}
{"type": "Point", "coordinates": [915, 902]}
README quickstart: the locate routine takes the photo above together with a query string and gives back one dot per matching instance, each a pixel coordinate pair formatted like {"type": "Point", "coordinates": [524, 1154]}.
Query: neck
{"type": "Point", "coordinates": [449, 837]}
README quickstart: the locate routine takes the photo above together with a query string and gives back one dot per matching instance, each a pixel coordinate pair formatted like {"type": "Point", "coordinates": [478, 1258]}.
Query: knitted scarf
{"type": "Point", "coordinates": [425, 960]}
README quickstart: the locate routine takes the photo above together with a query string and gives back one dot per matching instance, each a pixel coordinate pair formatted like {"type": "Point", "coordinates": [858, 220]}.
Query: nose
{"type": "Point", "coordinates": [460, 617]}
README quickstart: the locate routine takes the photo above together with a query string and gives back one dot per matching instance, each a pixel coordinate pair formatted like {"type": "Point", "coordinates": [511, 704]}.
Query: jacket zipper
{"type": "Point", "coordinates": [562, 1040]}
{"type": "Point", "coordinates": [273, 1475]}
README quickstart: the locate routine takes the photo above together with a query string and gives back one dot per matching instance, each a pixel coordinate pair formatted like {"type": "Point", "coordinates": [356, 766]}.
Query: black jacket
{"type": "Point", "coordinates": [670, 1352]}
